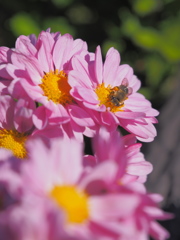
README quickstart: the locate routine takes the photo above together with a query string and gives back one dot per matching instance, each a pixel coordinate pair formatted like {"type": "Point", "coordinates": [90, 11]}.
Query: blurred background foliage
{"type": "Point", "coordinates": [146, 33]}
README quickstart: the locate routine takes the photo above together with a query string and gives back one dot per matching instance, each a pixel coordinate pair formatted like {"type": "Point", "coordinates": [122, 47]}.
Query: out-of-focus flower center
{"type": "Point", "coordinates": [73, 201]}
{"type": "Point", "coordinates": [14, 141]}
{"type": "Point", "coordinates": [112, 98]}
{"type": "Point", "coordinates": [56, 87]}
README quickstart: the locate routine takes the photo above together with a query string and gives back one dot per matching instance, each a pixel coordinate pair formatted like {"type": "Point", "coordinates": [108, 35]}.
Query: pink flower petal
{"type": "Point", "coordinates": [49, 131]}
{"type": "Point", "coordinates": [143, 130]}
{"type": "Point", "coordinates": [62, 51]}
{"type": "Point", "coordinates": [80, 116]}
{"type": "Point", "coordinates": [137, 102]}
{"type": "Point", "coordinates": [45, 58]}
{"type": "Point", "coordinates": [70, 154]}
{"type": "Point", "coordinates": [23, 116]}
{"type": "Point", "coordinates": [109, 120]}
{"type": "Point", "coordinates": [96, 107]}
{"type": "Point", "coordinates": [78, 46]}
{"type": "Point", "coordinates": [89, 161]}
{"type": "Point", "coordinates": [158, 232]}
{"type": "Point", "coordinates": [135, 83]}
{"type": "Point", "coordinates": [113, 206]}
{"type": "Point", "coordinates": [87, 95]}
{"type": "Point", "coordinates": [104, 145]}
{"type": "Point", "coordinates": [31, 64]}
{"type": "Point", "coordinates": [103, 172]}
{"type": "Point", "coordinates": [23, 44]}
{"type": "Point", "coordinates": [4, 54]}
{"type": "Point", "coordinates": [98, 65]}
{"type": "Point", "coordinates": [140, 169]}
{"type": "Point", "coordinates": [6, 112]}
{"type": "Point", "coordinates": [124, 71]}
{"type": "Point", "coordinates": [58, 114]}
{"type": "Point", "coordinates": [75, 78]}
{"type": "Point", "coordinates": [40, 118]}
{"type": "Point", "coordinates": [129, 139]}
{"type": "Point", "coordinates": [7, 71]}
{"type": "Point", "coordinates": [46, 39]}
{"type": "Point", "coordinates": [111, 65]}
{"type": "Point", "coordinates": [130, 115]}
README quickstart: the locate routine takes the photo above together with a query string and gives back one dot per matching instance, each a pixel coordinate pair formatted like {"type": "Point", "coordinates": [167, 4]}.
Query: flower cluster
{"type": "Point", "coordinates": [53, 93]}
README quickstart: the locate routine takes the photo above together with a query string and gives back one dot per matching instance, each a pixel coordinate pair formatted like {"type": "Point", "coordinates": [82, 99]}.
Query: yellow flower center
{"type": "Point", "coordinates": [73, 201]}
{"type": "Point", "coordinates": [14, 141]}
{"type": "Point", "coordinates": [56, 87]}
{"type": "Point", "coordinates": [108, 96]}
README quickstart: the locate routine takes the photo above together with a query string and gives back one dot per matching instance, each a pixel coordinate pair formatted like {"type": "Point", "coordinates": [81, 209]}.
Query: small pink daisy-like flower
{"type": "Point", "coordinates": [71, 202]}
{"type": "Point", "coordinates": [40, 67]}
{"type": "Point", "coordinates": [109, 91]}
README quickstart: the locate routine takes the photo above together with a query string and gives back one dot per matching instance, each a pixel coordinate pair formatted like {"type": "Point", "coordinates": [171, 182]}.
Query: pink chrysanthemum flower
{"type": "Point", "coordinates": [124, 151]}
{"type": "Point", "coordinates": [16, 125]}
{"type": "Point", "coordinates": [40, 68]}
{"type": "Point", "coordinates": [73, 202]}
{"type": "Point", "coordinates": [109, 91]}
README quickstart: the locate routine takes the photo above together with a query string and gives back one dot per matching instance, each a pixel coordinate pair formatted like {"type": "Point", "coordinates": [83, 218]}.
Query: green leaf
{"type": "Point", "coordinates": [148, 38]}
{"type": "Point", "coordinates": [155, 67]}
{"type": "Point", "coordinates": [23, 24]}
{"type": "Point", "coordinates": [144, 7]}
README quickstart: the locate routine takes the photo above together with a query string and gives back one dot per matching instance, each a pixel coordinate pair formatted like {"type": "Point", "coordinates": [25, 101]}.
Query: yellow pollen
{"type": "Point", "coordinates": [56, 87]}
{"type": "Point", "coordinates": [14, 141]}
{"type": "Point", "coordinates": [73, 201]}
{"type": "Point", "coordinates": [103, 94]}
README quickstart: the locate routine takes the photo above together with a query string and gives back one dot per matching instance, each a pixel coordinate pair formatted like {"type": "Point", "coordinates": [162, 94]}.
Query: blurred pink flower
{"type": "Point", "coordinates": [109, 91]}
{"type": "Point", "coordinates": [124, 151]}
{"type": "Point", "coordinates": [70, 201]}
{"type": "Point", "coordinates": [39, 68]}
{"type": "Point", "coordinates": [21, 216]}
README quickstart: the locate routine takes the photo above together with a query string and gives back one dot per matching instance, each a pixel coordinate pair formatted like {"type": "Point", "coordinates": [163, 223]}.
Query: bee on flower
{"type": "Point", "coordinates": [109, 91]}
